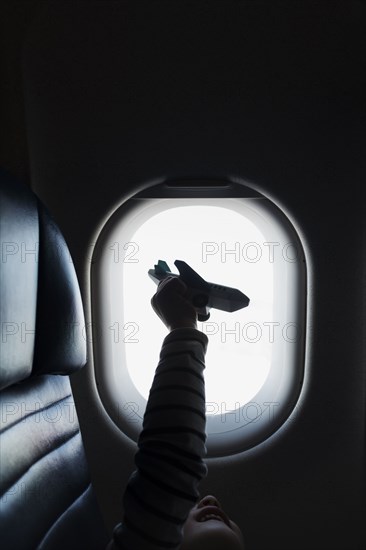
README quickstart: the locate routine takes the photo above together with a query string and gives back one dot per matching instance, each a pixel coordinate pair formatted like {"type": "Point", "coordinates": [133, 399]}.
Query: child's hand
{"type": "Point", "coordinates": [172, 306]}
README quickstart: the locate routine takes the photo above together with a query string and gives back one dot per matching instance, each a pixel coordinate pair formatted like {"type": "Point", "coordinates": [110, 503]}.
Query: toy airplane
{"type": "Point", "coordinates": [203, 295]}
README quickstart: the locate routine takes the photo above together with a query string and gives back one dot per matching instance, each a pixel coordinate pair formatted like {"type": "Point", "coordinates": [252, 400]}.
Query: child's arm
{"type": "Point", "coordinates": [164, 487]}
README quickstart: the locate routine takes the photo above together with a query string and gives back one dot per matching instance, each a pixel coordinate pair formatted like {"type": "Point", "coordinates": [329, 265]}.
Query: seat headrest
{"type": "Point", "coordinates": [41, 312]}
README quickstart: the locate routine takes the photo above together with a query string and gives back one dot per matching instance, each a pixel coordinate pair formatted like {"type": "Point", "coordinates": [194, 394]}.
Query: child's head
{"type": "Point", "coordinates": [208, 528]}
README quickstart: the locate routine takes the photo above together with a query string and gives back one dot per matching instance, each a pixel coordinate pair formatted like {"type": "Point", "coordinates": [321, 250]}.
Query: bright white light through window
{"type": "Point", "coordinates": [206, 237]}
{"type": "Point", "coordinates": [255, 356]}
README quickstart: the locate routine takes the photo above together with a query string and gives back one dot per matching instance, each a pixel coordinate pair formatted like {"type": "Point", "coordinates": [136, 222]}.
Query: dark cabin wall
{"type": "Point", "coordinates": [128, 92]}
{"type": "Point", "coordinates": [15, 18]}
{"type": "Point", "coordinates": [119, 94]}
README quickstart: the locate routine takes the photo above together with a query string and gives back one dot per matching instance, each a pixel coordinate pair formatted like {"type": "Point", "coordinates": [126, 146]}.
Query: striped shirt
{"type": "Point", "coordinates": [169, 461]}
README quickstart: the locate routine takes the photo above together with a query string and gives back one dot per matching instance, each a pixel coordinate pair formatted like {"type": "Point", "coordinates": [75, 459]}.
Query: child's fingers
{"type": "Point", "coordinates": [172, 284]}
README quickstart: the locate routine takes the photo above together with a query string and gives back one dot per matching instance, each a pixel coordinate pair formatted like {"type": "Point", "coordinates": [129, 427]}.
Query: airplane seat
{"type": "Point", "coordinates": [47, 501]}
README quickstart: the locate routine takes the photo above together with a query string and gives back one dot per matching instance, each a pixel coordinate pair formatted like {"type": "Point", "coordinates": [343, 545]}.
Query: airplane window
{"type": "Point", "coordinates": [254, 361]}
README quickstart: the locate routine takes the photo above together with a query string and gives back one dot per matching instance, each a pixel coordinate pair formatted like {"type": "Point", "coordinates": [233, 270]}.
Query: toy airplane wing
{"type": "Point", "coordinates": [204, 295]}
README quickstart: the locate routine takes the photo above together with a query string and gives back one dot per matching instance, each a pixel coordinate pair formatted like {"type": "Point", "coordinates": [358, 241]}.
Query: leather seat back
{"type": "Point", "coordinates": [46, 497]}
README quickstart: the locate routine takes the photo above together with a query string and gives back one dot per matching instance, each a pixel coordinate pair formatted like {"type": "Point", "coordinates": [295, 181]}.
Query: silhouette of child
{"type": "Point", "coordinates": [161, 500]}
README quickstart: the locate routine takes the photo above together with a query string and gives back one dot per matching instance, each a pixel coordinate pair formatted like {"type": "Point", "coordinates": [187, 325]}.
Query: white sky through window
{"type": "Point", "coordinates": [224, 247]}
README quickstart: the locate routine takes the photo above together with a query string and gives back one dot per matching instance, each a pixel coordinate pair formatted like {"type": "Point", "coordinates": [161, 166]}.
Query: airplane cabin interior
{"type": "Point", "coordinates": [215, 144]}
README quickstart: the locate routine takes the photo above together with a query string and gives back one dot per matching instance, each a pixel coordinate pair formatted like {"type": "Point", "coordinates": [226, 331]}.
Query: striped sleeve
{"type": "Point", "coordinates": [169, 461]}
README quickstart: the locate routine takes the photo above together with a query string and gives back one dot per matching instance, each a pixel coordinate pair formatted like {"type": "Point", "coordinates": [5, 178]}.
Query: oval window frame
{"type": "Point", "coordinates": [235, 431]}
